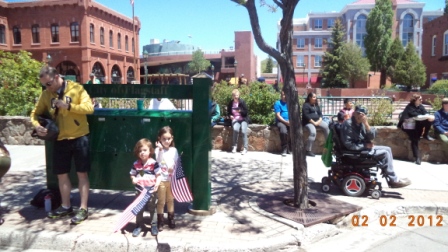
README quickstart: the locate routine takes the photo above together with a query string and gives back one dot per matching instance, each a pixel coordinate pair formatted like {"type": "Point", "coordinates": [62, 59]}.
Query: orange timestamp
{"type": "Point", "coordinates": [389, 220]}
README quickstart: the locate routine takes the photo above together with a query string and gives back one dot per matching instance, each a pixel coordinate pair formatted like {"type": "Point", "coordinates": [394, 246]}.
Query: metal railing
{"type": "Point", "coordinates": [332, 105]}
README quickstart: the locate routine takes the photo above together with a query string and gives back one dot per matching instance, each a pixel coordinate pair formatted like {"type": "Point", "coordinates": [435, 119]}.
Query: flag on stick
{"type": "Point", "coordinates": [179, 185]}
{"type": "Point", "coordinates": [133, 209]}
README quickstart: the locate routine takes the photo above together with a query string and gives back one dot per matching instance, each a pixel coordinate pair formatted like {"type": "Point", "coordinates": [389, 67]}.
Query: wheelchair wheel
{"type": "Point", "coordinates": [325, 187]}
{"type": "Point", "coordinates": [376, 194]}
{"type": "Point", "coordinates": [353, 186]}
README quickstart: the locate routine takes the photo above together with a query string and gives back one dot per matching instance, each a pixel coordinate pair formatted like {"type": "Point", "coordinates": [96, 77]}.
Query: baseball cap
{"type": "Point", "coordinates": [361, 109]}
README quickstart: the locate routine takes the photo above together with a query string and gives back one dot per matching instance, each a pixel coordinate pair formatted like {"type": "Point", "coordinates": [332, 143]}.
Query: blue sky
{"type": "Point", "coordinates": [211, 23]}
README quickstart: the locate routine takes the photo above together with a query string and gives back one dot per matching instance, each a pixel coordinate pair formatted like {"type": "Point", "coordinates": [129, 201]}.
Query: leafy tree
{"type": "Point", "coordinates": [354, 66]}
{"type": "Point", "coordinates": [331, 72]}
{"type": "Point", "coordinates": [379, 37]}
{"type": "Point", "coordinates": [395, 53]}
{"type": "Point", "coordinates": [440, 87]}
{"type": "Point", "coordinates": [19, 83]}
{"type": "Point", "coordinates": [445, 11]}
{"type": "Point", "coordinates": [269, 65]}
{"type": "Point", "coordinates": [285, 62]}
{"type": "Point", "coordinates": [410, 70]}
{"type": "Point", "coordinates": [198, 62]}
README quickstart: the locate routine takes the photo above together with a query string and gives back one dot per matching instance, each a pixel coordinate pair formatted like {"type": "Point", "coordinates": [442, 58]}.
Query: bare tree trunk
{"type": "Point", "coordinates": [383, 77]}
{"type": "Point", "coordinates": [284, 59]}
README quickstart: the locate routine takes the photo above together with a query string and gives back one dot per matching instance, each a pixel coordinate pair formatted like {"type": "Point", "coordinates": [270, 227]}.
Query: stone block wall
{"type": "Point", "coordinates": [16, 130]}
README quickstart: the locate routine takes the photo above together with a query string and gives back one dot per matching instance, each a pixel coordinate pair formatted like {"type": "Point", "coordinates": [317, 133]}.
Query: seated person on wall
{"type": "Point", "coordinates": [215, 113]}
{"type": "Point", "coordinates": [357, 135]}
{"type": "Point", "coordinates": [238, 113]}
{"type": "Point", "coordinates": [414, 121]}
{"type": "Point", "coordinates": [347, 110]}
{"type": "Point", "coordinates": [311, 119]}
{"type": "Point", "coordinates": [282, 122]}
{"type": "Point", "coordinates": [441, 122]}
{"type": "Point", "coordinates": [161, 104]}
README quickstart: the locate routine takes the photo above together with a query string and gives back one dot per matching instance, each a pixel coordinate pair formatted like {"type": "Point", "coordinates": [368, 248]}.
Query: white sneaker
{"type": "Point", "coordinates": [234, 149]}
{"type": "Point", "coordinates": [244, 151]}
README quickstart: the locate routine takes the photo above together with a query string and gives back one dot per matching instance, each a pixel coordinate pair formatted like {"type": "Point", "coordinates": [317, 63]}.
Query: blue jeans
{"type": "Point", "coordinates": [236, 130]}
{"type": "Point", "coordinates": [312, 136]}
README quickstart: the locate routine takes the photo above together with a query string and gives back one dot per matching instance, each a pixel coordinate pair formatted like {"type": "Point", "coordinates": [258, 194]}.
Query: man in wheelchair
{"type": "Point", "coordinates": [357, 135]}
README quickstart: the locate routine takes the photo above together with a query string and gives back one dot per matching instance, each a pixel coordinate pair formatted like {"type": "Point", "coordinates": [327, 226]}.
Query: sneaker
{"type": "Point", "coordinates": [154, 230]}
{"type": "Point", "coordinates": [429, 138]}
{"type": "Point", "coordinates": [244, 151]}
{"type": "Point", "coordinates": [60, 212]}
{"type": "Point", "coordinates": [418, 161]}
{"type": "Point", "coordinates": [400, 183]}
{"type": "Point", "coordinates": [310, 154]}
{"type": "Point", "coordinates": [136, 231]}
{"type": "Point", "coordinates": [284, 152]}
{"type": "Point", "coordinates": [234, 149]}
{"type": "Point", "coordinates": [80, 216]}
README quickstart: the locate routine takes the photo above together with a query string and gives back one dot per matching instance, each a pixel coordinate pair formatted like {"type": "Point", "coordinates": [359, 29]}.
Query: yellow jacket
{"type": "Point", "coordinates": [72, 123]}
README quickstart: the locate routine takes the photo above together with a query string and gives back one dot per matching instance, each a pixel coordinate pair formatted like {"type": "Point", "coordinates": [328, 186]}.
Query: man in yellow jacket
{"type": "Point", "coordinates": [72, 141]}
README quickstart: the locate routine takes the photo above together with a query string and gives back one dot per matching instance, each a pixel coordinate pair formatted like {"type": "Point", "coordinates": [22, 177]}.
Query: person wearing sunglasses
{"type": "Point", "coordinates": [72, 141]}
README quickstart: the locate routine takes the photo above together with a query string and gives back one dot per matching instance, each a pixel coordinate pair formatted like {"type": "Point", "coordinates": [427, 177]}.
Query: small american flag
{"type": "Point", "coordinates": [133, 209]}
{"type": "Point", "coordinates": [179, 185]}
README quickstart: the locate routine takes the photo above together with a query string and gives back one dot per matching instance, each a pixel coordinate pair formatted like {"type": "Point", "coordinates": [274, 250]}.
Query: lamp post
{"type": "Point", "coordinates": [49, 59]}
{"type": "Point", "coordinates": [303, 78]}
{"type": "Point", "coordinates": [145, 55]}
{"type": "Point", "coordinates": [235, 64]}
{"type": "Point", "coordinates": [213, 73]}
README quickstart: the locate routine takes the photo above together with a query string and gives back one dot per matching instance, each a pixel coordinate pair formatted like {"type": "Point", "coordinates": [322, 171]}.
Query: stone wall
{"type": "Point", "coordinates": [16, 130]}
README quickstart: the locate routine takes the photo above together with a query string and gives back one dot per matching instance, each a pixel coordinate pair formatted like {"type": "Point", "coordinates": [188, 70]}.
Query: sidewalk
{"type": "Point", "coordinates": [239, 224]}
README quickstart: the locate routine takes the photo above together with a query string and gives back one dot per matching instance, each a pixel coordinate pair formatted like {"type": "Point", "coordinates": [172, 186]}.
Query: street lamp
{"type": "Point", "coordinates": [49, 59]}
{"type": "Point", "coordinates": [235, 64]}
{"type": "Point", "coordinates": [213, 72]}
{"type": "Point", "coordinates": [145, 55]}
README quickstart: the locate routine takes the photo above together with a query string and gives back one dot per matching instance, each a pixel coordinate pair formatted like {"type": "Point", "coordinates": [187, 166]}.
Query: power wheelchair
{"type": "Point", "coordinates": [353, 172]}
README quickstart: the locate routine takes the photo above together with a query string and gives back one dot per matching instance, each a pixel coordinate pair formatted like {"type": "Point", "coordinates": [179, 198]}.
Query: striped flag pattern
{"type": "Point", "coordinates": [133, 209]}
{"type": "Point", "coordinates": [179, 185]}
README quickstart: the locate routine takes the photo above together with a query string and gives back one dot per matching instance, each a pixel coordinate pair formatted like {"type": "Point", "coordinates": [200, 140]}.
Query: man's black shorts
{"type": "Point", "coordinates": [65, 150]}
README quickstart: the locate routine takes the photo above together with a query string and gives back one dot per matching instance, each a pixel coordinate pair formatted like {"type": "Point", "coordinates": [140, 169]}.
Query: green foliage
{"type": "Point", "coordinates": [440, 87]}
{"type": "Point", "coordinates": [19, 83]}
{"type": "Point", "coordinates": [410, 70]}
{"type": "Point", "coordinates": [436, 103]}
{"type": "Point", "coordinates": [354, 66]}
{"type": "Point", "coordinates": [331, 71]}
{"type": "Point", "coordinates": [198, 62]}
{"type": "Point", "coordinates": [395, 54]}
{"type": "Point", "coordinates": [269, 65]}
{"type": "Point", "coordinates": [259, 98]}
{"type": "Point", "coordinates": [379, 34]}
{"type": "Point", "coordinates": [445, 10]}
{"type": "Point", "coordinates": [378, 111]}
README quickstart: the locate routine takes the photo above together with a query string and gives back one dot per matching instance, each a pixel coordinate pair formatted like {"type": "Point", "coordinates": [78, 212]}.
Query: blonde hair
{"type": "Point", "coordinates": [235, 91]}
{"type": "Point", "coordinates": [143, 142]}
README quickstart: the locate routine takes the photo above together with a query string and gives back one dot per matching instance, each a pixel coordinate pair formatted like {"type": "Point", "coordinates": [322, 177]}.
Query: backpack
{"type": "Point", "coordinates": [39, 199]}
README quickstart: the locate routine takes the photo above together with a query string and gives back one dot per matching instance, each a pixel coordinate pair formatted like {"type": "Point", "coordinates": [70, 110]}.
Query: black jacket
{"type": "Point", "coordinates": [243, 109]}
{"type": "Point", "coordinates": [310, 112]}
{"type": "Point", "coordinates": [411, 111]}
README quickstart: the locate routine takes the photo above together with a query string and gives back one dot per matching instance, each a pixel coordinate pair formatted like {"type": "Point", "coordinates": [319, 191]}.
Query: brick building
{"type": "Point", "coordinates": [435, 49]}
{"type": "Point", "coordinates": [81, 37]}
{"type": "Point", "coordinates": [312, 33]}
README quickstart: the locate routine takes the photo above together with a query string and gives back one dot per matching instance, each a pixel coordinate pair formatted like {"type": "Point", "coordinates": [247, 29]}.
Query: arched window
{"type": "Point", "coordinates": [119, 41]}
{"type": "Point", "coordinates": [126, 43]}
{"type": "Point", "coordinates": [54, 33]}
{"type": "Point", "coordinates": [74, 32]}
{"type": "Point", "coordinates": [433, 48]}
{"type": "Point", "coordinates": [2, 34]}
{"type": "Point", "coordinates": [445, 43]}
{"type": "Point", "coordinates": [35, 33]}
{"type": "Point", "coordinates": [102, 36]}
{"type": "Point", "coordinates": [111, 39]}
{"type": "Point", "coordinates": [16, 35]}
{"type": "Point", "coordinates": [361, 31]}
{"type": "Point", "coordinates": [408, 29]}
{"type": "Point", "coordinates": [92, 33]}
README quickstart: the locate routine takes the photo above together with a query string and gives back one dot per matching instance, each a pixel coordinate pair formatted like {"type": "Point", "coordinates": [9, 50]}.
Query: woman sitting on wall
{"type": "Point", "coordinates": [311, 119]}
{"type": "Point", "coordinates": [237, 112]}
{"type": "Point", "coordinates": [415, 120]}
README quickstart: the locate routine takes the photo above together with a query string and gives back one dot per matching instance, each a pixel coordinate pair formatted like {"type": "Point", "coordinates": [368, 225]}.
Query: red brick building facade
{"type": "Point", "coordinates": [81, 36]}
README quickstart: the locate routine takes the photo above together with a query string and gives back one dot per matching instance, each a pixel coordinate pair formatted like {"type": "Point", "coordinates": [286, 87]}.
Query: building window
{"type": "Point", "coordinates": [408, 29]}
{"type": "Point", "coordinates": [133, 46]}
{"type": "Point", "coordinates": [317, 61]}
{"type": "Point", "coordinates": [329, 42]}
{"type": "Point", "coordinates": [35, 33]}
{"type": "Point", "coordinates": [54, 33]}
{"type": "Point", "coordinates": [119, 41]}
{"type": "Point", "coordinates": [74, 31]}
{"type": "Point", "coordinates": [317, 23]}
{"type": "Point", "coordinates": [92, 33]}
{"type": "Point", "coordinates": [102, 36]}
{"type": "Point", "coordinates": [300, 61]}
{"type": "Point", "coordinates": [16, 35]}
{"type": "Point", "coordinates": [300, 43]}
{"type": "Point", "coordinates": [330, 23]}
{"type": "Point", "coordinates": [317, 42]}
{"type": "Point", "coordinates": [433, 49]}
{"type": "Point", "coordinates": [126, 43]}
{"type": "Point", "coordinates": [361, 32]}
{"type": "Point", "coordinates": [2, 34]}
{"type": "Point", "coordinates": [445, 43]}
{"type": "Point", "coordinates": [111, 39]}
